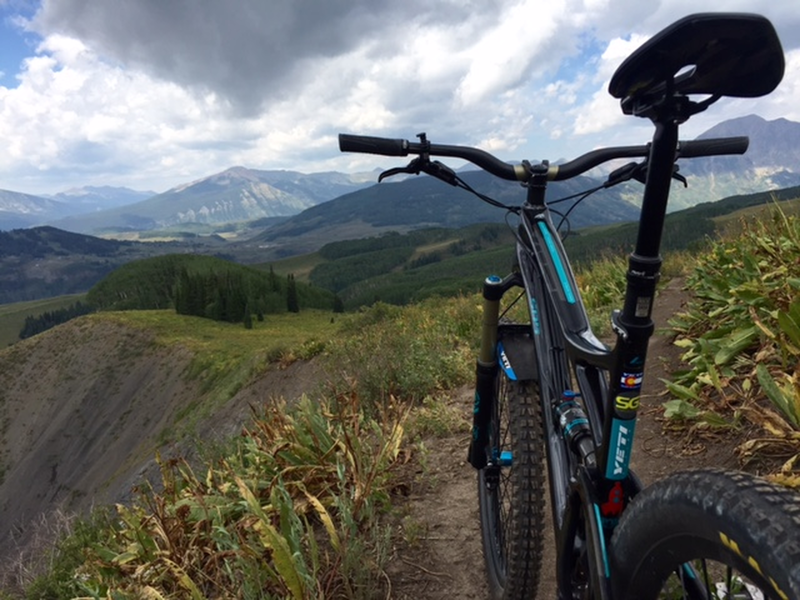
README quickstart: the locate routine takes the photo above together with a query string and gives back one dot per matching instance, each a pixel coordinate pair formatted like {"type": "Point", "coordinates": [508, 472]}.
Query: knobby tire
{"type": "Point", "coordinates": [511, 498]}
{"type": "Point", "coordinates": [743, 524]}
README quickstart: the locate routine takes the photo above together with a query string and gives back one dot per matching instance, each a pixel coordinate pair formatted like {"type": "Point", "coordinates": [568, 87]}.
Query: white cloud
{"type": "Point", "coordinates": [121, 93]}
{"type": "Point", "coordinates": [76, 117]}
{"type": "Point", "coordinates": [603, 112]}
{"type": "Point", "coordinates": [502, 56]}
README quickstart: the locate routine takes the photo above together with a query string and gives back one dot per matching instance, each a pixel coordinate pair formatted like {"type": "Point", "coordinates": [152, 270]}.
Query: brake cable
{"type": "Point", "coordinates": [437, 169]}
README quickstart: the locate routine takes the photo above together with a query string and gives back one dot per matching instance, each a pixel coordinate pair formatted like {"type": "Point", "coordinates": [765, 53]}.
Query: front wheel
{"type": "Point", "coordinates": [709, 534]}
{"type": "Point", "coordinates": [511, 492]}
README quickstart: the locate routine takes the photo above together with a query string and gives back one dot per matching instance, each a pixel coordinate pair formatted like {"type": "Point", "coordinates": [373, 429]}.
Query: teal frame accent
{"type": "Point", "coordinates": [557, 262]}
{"type": "Point", "coordinates": [602, 541]}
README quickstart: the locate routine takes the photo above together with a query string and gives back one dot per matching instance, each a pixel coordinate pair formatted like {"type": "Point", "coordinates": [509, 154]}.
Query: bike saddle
{"type": "Point", "coordinates": [716, 54]}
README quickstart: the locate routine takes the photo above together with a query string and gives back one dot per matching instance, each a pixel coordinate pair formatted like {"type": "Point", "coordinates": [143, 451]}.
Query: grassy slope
{"type": "Point", "coordinates": [224, 359]}
{"type": "Point", "coordinates": [227, 352]}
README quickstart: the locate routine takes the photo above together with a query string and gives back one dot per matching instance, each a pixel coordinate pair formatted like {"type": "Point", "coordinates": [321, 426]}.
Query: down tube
{"type": "Point", "coordinates": [553, 379]}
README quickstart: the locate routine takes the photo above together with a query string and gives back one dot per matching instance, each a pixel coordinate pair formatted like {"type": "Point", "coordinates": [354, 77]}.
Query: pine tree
{"type": "Point", "coordinates": [292, 303]}
{"type": "Point", "coordinates": [274, 284]}
{"type": "Point", "coordinates": [248, 318]}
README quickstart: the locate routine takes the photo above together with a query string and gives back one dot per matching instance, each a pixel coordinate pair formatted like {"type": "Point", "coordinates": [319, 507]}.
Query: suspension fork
{"type": "Point", "coordinates": [486, 366]}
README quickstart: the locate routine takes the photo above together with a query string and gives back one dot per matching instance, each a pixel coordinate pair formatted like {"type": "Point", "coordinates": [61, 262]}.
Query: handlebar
{"type": "Point", "coordinates": [398, 147]}
{"type": "Point", "coordinates": [713, 147]}
{"type": "Point", "coordinates": [521, 172]}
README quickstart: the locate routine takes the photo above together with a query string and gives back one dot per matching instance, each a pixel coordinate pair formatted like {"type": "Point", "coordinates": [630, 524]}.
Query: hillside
{"type": "Point", "coordinates": [85, 406]}
{"type": "Point", "coordinates": [403, 268]}
{"type": "Point", "coordinates": [685, 229]}
{"type": "Point", "coordinates": [43, 262]}
{"type": "Point", "coordinates": [13, 316]}
{"type": "Point", "coordinates": [421, 202]}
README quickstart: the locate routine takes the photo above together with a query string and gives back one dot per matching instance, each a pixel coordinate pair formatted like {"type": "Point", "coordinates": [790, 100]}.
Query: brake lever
{"type": "Point", "coordinates": [632, 170]}
{"type": "Point", "coordinates": [679, 177]}
{"type": "Point", "coordinates": [441, 171]}
{"type": "Point", "coordinates": [423, 165]}
{"type": "Point", "coordinates": [638, 171]}
{"type": "Point", "coordinates": [412, 168]}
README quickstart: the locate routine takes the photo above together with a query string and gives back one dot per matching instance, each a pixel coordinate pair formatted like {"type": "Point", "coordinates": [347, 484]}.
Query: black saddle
{"type": "Point", "coordinates": [715, 54]}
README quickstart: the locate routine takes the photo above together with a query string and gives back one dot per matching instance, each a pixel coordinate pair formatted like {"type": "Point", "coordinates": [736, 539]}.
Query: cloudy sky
{"type": "Point", "coordinates": [149, 94]}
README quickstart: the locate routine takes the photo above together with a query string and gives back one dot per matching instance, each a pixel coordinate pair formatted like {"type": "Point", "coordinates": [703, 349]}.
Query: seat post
{"type": "Point", "coordinates": [656, 191]}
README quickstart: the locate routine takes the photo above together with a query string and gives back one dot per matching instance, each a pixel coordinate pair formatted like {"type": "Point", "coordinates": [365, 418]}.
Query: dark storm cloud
{"type": "Point", "coordinates": [247, 51]}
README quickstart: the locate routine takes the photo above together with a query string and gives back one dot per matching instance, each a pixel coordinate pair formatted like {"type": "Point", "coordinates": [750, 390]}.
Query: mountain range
{"type": "Point", "coordinates": [25, 210]}
{"type": "Point", "coordinates": [91, 199]}
{"type": "Point", "coordinates": [240, 194]}
{"type": "Point", "coordinates": [426, 202]}
{"type": "Point", "coordinates": [236, 194]}
{"type": "Point", "coordinates": [772, 161]}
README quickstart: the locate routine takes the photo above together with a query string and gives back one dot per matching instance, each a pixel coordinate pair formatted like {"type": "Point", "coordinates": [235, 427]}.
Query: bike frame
{"type": "Point", "coordinates": [589, 484]}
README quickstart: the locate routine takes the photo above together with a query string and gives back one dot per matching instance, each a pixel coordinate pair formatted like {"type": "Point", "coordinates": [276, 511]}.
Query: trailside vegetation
{"type": "Point", "coordinates": [296, 505]}
{"type": "Point", "coordinates": [740, 336]}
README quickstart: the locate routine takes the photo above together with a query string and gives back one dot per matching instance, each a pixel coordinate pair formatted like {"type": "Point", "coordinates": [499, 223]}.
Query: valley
{"type": "Point", "coordinates": [266, 217]}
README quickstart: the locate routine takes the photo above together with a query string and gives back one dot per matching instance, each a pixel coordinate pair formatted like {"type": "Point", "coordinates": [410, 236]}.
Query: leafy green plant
{"type": "Point", "coordinates": [602, 288]}
{"type": "Point", "coordinates": [740, 334]}
{"type": "Point", "coordinates": [437, 417]}
{"type": "Point", "coordinates": [291, 512]}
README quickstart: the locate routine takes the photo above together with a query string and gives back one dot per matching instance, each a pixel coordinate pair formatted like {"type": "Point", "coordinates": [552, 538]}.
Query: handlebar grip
{"type": "Point", "coordinates": [714, 147]}
{"type": "Point", "coordinates": [372, 145]}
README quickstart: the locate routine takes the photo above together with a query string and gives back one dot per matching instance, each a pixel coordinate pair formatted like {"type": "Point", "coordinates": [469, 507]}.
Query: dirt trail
{"type": "Point", "coordinates": [440, 555]}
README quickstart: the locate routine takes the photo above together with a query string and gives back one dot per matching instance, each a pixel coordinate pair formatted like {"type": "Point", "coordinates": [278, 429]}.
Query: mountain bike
{"type": "Point", "coordinates": [549, 383]}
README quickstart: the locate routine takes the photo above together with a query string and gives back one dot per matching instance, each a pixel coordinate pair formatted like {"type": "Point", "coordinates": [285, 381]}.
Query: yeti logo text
{"type": "Point", "coordinates": [620, 452]}
{"type": "Point", "coordinates": [505, 361]}
{"type": "Point", "coordinates": [622, 442]}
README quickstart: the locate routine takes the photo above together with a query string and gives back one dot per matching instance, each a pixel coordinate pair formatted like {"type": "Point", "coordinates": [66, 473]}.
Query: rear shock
{"type": "Point", "coordinates": [575, 427]}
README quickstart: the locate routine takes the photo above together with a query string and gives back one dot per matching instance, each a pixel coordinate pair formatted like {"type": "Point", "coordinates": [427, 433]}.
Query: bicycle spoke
{"type": "Point", "coordinates": [706, 580]}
